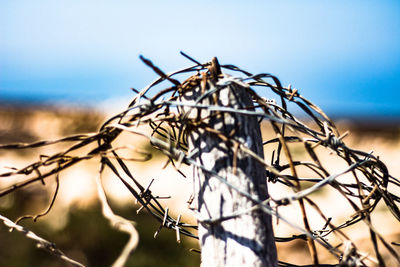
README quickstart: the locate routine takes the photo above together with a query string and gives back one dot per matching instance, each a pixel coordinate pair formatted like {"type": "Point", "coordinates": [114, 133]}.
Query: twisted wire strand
{"type": "Point", "coordinates": [163, 112]}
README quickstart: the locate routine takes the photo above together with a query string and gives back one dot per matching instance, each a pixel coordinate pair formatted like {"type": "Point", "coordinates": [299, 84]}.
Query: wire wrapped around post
{"type": "Point", "coordinates": [227, 240]}
{"type": "Point", "coordinates": [210, 122]}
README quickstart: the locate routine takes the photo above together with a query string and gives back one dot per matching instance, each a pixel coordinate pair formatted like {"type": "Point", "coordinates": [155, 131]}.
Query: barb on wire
{"type": "Point", "coordinates": [169, 119]}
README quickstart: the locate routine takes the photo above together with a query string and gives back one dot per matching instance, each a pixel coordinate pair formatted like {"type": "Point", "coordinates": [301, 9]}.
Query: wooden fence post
{"type": "Point", "coordinates": [214, 140]}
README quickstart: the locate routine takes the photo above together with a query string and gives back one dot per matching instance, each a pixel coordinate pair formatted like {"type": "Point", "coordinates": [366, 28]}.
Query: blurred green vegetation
{"type": "Point", "coordinates": [88, 238]}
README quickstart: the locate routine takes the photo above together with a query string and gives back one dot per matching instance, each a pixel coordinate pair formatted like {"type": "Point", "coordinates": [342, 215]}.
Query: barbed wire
{"type": "Point", "coordinates": [167, 116]}
{"type": "Point", "coordinates": [40, 242]}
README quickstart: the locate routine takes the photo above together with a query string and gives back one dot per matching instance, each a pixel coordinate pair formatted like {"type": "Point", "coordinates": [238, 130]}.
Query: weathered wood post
{"type": "Point", "coordinates": [214, 137]}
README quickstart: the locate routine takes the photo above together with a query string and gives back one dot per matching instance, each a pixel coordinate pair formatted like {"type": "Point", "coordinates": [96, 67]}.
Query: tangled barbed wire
{"type": "Point", "coordinates": [162, 111]}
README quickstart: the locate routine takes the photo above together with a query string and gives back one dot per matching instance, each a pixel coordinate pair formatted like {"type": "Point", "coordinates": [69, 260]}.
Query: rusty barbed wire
{"type": "Point", "coordinates": [167, 116]}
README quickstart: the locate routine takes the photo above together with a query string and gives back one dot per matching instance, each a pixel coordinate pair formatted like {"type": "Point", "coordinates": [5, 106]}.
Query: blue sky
{"type": "Point", "coordinates": [343, 55]}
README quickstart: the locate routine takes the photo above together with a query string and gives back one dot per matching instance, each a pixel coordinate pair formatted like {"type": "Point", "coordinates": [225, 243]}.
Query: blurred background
{"type": "Point", "coordinates": [343, 55]}
{"type": "Point", "coordinates": [67, 62]}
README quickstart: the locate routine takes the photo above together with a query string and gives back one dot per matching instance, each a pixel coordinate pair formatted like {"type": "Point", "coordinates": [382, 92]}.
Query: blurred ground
{"type": "Point", "coordinates": [76, 225]}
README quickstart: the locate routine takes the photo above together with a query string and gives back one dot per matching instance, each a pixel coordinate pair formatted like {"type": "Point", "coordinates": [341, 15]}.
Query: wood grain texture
{"type": "Point", "coordinates": [245, 240]}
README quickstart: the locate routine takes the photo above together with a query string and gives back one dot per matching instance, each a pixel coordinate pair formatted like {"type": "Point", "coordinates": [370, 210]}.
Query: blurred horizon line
{"type": "Point", "coordinates": [116, 104]}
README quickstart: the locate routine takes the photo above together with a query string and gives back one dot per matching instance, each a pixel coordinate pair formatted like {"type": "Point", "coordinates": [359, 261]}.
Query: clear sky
{"type": "Point", "coordinates": [343, 55]}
